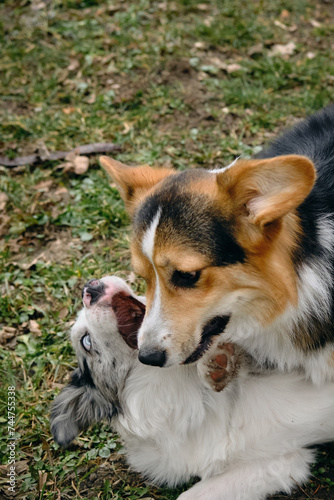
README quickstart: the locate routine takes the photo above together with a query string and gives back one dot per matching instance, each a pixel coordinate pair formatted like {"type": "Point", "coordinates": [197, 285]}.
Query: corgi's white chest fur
{"type": "Point", "coordinates": [276, 343]}
{"type": "Point", "coordinates": [273, 345]}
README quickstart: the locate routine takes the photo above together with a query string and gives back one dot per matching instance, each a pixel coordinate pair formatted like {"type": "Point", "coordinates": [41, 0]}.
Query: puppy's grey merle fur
{"type": "Point", "coordinates": [245, 443]}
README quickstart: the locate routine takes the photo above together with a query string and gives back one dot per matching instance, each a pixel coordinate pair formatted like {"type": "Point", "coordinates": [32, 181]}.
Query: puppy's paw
{"type": "Point", "coordinates": [219, 365]}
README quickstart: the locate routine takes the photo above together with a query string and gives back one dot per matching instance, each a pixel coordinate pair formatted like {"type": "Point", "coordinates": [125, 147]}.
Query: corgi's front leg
{"type": "Point", "coordinates": [220, 364]}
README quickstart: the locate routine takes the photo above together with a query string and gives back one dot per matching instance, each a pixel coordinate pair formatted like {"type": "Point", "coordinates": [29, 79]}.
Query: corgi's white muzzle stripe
{"type": "Point", "coordinates": [148, 240]}
{"type": "Point", "coordinates": [153, 321]}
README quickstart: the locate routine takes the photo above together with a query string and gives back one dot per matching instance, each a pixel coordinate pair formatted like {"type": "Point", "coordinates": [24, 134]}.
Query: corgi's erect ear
{"type": "Point", "coordinates": [133, 182]}
{"type": "Point", "coordinates": [268, 189]}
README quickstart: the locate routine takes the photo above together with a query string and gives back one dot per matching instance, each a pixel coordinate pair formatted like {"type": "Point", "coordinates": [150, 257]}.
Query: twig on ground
{"type": "Point", "coordinates": [86, 149]}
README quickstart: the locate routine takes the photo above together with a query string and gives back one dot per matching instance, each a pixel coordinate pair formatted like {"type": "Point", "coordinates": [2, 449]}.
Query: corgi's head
{"type": "Point", "coordinates": [212, 244]}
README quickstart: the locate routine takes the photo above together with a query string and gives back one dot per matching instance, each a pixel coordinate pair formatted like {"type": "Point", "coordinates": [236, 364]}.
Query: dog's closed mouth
{"type": "Point", "coordinates": [214, 327]}
{"type": "Point", "coordinates": [129, 313]}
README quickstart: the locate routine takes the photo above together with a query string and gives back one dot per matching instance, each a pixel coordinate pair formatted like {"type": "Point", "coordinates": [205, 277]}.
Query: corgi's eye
{"type": "Point", "coordinates": [86, 343]}
{"type": "Point", "coordinates": [185, 280]}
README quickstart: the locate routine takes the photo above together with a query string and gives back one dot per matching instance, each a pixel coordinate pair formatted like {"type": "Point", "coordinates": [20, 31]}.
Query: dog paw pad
{"type": "Point", "coordinates": [221, 360]}
{"type": "Point", "coordinates": [219, 366]}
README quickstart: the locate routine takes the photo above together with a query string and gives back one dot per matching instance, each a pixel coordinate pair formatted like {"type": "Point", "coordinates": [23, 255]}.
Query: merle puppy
{"type": "Point", "coordinates": [245, 442]}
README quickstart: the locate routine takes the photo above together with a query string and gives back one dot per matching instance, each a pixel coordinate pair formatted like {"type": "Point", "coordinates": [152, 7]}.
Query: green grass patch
{"type": "Point", "coordinates": [184, 84]}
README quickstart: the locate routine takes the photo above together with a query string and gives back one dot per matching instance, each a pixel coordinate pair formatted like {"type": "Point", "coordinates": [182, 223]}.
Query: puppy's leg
{"type": "Point", "coordinates": [220, 364]}
{"type": "Point", "coordinates": [255, 480]}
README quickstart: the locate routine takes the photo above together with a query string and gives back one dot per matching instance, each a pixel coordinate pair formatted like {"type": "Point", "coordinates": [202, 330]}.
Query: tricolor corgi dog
{"type": "Point", "coordinates": [243, 254]}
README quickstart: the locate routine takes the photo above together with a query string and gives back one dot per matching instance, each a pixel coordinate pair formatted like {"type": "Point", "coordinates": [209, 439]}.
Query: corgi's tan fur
{"type": "Point", "coordinates": [232, 243]}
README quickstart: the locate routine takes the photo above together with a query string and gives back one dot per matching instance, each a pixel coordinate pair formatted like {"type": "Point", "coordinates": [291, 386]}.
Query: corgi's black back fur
{"type": "Point", "coordinates": [314, 138]}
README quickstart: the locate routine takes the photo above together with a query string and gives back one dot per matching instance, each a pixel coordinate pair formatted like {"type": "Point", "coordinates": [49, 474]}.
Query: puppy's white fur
{"type": "Point", "coordinates": [245, 443]}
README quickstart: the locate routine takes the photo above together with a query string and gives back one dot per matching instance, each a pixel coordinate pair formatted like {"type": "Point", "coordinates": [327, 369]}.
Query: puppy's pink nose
{"type": "Point", "coordinates": [92, 291]}
{"type": "Point", "coordinates": [93, 282]}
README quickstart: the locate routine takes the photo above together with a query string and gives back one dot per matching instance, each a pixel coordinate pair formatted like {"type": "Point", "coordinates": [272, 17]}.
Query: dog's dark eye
{"type": "Point", "coordinates": [185, 280]}
{"type": "Point", "coordinates": [86, 343]}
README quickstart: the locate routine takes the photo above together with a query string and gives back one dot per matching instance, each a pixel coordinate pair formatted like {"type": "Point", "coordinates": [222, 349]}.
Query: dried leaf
{"type": "Point", "coordinates": [38, 5]}
{"type": "Point", "coordinates": [63, 313]}
{"type": "Point", "coordinates": [91, 99]}
{"type": "Point", "coordinates": [208, 21]}
{"type": "Point", "coordinates": [199, 45]}
{"type": "Point", "coordinates": [55, 385]}
{"type": "Point", "coordinates": [282, 50]}
{"type": "Point", "coordinates": [69, 111]}
{"type": "Point", "coordinates": [34, 328]}
{"type": "Point", "coordinates": [285, 14]}
{"type": "Point", "coordinates": [62, 76]}
{"type": "Point", "coordinates": [43, 476]}
{"type": "Point", "coordinates": [310, 55]}
{"type": "Point", "coordinates": [284, 27]}
{"type": "Point", "coordinates": [127, 128]}
{"type": "Point", "coordinates": [218, 63]}
{"type": "Point", "coordinates": [28, 265]}
{"type": "Point", "coordinates": [202, 76]}
{"type": "Point", "coordinates": [20, 467]}
{"type": "Point", "coordinates": [255, 49]}
{"type": "Point", "coordinates": [315, 23]}
{"type": "Point", "coordinates": [231, 68]}
{"type": "Point", "coordinates": [81, 164]}
{"type": "Point", "coordinates": [203, 6]}
{"type": "Point", "coordinates": [61, 190]}
{"type": "Point", "coordinates": [7, 333]}
{"type": "Point", "coordinates": [55, 211]}
{"type": "Point", "coordinates": [113, 8]}
{"type": "Point", "coordinates": [111, 68]}
{"type": "Point", "coordinates": [3, 200]}
{"type": "Point", "coordinates": [281, 25]}
{"type": "Point", "coordinates": [66, 166]}
{"type": "Point", "coordinates": [74, 64]}
{"type": "Point", "coordinates": [4, 221]}
{"type": "Point", "coordinates": [43, 185]}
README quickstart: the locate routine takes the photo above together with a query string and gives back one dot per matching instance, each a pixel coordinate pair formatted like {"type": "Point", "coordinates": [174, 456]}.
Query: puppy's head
{"type": "Point", "coordinates": [211, 244]}
{"type": "Point", "coordinates": [104, 338]}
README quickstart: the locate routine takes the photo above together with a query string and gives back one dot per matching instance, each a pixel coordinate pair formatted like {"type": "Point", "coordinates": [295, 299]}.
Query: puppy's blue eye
{"type": "Point", "coordinates": [86, 343]}
{"type": "Point", "coordinates": [185, 280]}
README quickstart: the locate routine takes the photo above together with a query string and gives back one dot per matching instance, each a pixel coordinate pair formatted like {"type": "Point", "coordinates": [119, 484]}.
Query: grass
{"type": "Point", "coordinates": [184, 84]}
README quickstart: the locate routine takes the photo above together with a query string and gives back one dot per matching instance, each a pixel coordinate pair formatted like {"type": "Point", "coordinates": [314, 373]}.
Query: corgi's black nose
{"type": "Point", "coordinates": [152, 358]}
{"type": "Point", "coordinates": [93, 289]}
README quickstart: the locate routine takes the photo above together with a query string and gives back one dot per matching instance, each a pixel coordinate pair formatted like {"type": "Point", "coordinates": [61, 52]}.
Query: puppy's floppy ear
{"type": "Point", "coordinates": [268, 189]}
{"type": "Point", "coordinates": [133, 182]}
{"type": "Point", "coordinates": [78, 405]}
